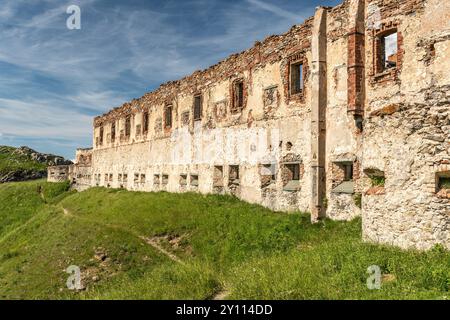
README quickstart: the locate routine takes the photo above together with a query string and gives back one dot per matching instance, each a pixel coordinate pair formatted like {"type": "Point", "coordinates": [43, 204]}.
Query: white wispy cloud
{"type": "Point", "coordinates": [41, 118]}
{"type": "Point", "coordinates": [62, 77]}
{"type": "Point", "coordinates": [274, 9]}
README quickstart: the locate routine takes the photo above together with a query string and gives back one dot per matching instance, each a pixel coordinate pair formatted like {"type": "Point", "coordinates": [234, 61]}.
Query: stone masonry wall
{"type": "Point", "coordinates": [289, 150]}
{"type": "Point", "coordinates": [407, 130]}
{"type": "Point", "coordinates": [272, 125]}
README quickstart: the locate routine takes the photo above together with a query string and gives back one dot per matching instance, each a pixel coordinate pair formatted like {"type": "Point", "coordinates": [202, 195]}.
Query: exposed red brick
{"type": "Point", "coordinates": [387, 110]}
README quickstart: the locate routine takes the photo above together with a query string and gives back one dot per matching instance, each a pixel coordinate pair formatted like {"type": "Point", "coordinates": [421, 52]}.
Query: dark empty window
{"type": "Point", "coordinates": [113, 132]}
{"type": "Point", "coordinates": [342, 177]}
{"type": "Point", "coordinates": [127, 126]}
{"type": "Point", "coordinates": [291, 177]}
{"type": "Point", "coordinates": [168, 117]}
{"type": "Point", "coordinates": [183, 180]}
{"type": "Point", "coordinates": [268, 170]}
{"type": "Point", "coordinates": [296, 78]}
{"type": "Point", "coordinates": [443, 184]}
{"type": "Point", "coordinates": [238, 96]}
{"type": "Point", "coordinates": [145, 122]}
{"type": "Point", "coordinates": [234, 174]}
{"type": "Point", "coordinates": [197, 107]}
{"type": "Point", "coordinates": [294, 171]}
{"type": "Point", "coordinates": [348, 172]}
{"type": "Point", "coordinates": [194, 180]}
{"type": "Point", "coordinates": [101, 136]}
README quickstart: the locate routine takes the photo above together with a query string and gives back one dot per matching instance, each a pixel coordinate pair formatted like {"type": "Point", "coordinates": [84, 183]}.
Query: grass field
{"type": "Point", "coordinates": [166, 246]}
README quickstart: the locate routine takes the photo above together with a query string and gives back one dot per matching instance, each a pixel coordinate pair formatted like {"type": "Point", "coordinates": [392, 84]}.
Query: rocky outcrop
{"type": "Point", "coordinates": [22, 175]}
{"type": "Point", "coordinates": [48, 159]}
{"type": "Point", "coordinates": [24, 163]}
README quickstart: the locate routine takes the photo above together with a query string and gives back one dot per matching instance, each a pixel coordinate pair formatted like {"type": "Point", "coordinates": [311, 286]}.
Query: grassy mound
{"type": "Point", "coordinates": [11, 161]}
{"type": "Point", "coordinates": [171, 246]}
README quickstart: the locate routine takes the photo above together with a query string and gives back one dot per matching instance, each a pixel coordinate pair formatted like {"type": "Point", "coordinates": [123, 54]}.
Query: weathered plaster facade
{"type": "Point", "coordinates": [318, 119]}
{"type": "Point", "coordinates": [58, 173]}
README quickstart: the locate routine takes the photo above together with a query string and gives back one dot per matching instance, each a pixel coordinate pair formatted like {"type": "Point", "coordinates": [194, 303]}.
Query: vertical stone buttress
{"type": "Point", "coordinates": [355, 64]}
{"type": "Point", "coordinates": [318, 112]}
{"type": "Point", "coordinates": [356, 80]}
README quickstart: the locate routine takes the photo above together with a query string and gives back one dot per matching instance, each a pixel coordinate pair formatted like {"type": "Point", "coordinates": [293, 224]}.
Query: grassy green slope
{"type": "Point", "coordinates": [221, 245]}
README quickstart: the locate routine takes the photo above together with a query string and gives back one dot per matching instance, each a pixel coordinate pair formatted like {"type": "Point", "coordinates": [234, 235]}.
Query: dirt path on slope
{"type": "Point", "coordinates": [221, 295]}
{"type": "Point", "coordinates": [150, 241]}
{"type": "Point", "coordinates": [154, 243]}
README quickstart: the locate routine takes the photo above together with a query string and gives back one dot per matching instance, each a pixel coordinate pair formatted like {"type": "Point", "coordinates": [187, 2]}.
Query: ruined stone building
{"type": "Point", "coordinates": [344, 115]}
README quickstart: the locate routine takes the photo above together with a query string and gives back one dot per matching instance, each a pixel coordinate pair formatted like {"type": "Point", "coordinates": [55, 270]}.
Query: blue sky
{"type": "Point", "coordinates": [53, 80]}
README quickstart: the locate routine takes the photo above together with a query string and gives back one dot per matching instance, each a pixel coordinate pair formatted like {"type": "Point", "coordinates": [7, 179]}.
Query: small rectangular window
{"type": "Point", "coordinates": [342, 176]}
{"type": "Point", "coordinates": [294, 171]}
{"type": "Point", "coordinates": [443, 184]}
{"type": "Point", "coordinates": [348, 172]}
{"type": "Point", "coordinates": [296, 78]}
{"type": "Point", "coordinates": [138, 130]}
{"type": "Point", "coordinates": [127, 126]}
{"type": "Point", "coordinates": [165, 179]}
{"type": "Point", "coordinates": [233, 175]}
{"type": "Point", "coordinates": [194, 180]}
{"type": "Point", "coordinates": [386, 50]}
{"type": "Point", "coordinates": [168, 117]}
{"type": "Point", "coordinates": [113, 131]}
{"type": "Point", "coordinates": [101, 136]}
{"type": "Point", "coordinates": [218, 176]}
{"type": "Point", "coordinates": [143, 178]}
{"type": "Point", "coordinates": [389, 50]}
{"type": "Point", "coordinates": [183, 180]}
{"type": "Point", "coordinates": [291, 176]}
{"type": "Point", "coordinates": [156, 179]}
{"type": "Point", "coordinates": [197, 107]}
{"type": "Point", "coordinates": [238, 96]}
{"type": "Point", "coordinates": [145, 122]}
{"type": "Point", "coordinates": [267, 175]}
